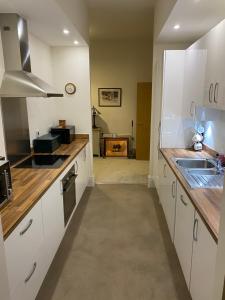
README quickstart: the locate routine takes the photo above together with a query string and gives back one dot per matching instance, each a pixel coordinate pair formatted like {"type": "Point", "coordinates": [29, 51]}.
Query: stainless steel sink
{"type": "Point", "coordinates": [200, 173]}
{"type": "Point", "coordinates": [195, 163]}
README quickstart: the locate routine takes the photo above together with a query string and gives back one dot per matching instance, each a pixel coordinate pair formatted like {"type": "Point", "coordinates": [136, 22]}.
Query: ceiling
{"type": "Point", "coordinates": [45, 20]}
{"type": "Point", "coordinates": [195, 17]}
{"type": "Point", "coordinates": [121, 19]}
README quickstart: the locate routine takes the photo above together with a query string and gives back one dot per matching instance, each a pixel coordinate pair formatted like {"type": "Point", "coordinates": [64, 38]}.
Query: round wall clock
{"type": "Point", "coordinates": [70, 88]}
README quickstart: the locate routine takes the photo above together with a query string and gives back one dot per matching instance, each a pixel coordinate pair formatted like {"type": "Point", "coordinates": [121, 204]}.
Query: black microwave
{"type": "Point", "coordinates": [5, 182]}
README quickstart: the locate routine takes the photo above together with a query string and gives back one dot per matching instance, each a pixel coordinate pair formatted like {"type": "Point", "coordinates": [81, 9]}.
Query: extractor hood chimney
{"type": "Point", "coordinates": [18, 81]}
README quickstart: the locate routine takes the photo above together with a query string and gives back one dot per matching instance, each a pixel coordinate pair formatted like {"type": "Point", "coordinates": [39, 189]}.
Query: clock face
{"type": "Point", "coordinates": [70, 88]}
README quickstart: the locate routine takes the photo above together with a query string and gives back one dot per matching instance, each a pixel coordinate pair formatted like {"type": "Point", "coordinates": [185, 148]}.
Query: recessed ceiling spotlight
{"type": "Point", "coordinates": [66, 31]}
{"type": "Point", "coordinates": [176, 27]}
{"type": "Point", "coordinates": [76, 42]}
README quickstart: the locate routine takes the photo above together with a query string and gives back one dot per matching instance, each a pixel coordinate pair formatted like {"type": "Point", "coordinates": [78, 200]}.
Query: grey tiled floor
{"type": "Point", "coordinates": [116, 248]}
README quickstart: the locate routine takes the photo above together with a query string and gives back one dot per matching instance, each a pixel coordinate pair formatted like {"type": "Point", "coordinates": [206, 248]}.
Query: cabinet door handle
{"type": "Point", "coordinates": [31, 273]}
{"type": "Point", "coordinates": [77, 167]}
{"type": "Point", "coordinates": [216, 89]}
{"type": "Point", "coordinates": [61, 187]}
{"type": "Point", "coordinates": [210, 92]}
{"type": "Point", "coordinates": [164, 171]}
{"type": "Point", "coordinates": [173, 189]}
{"type": "Point", "coordinates": [182, 200]}
{"type": "Point", "coordinates": [27, 227]}
{"type": "Point", "coordinates": [195, 230]}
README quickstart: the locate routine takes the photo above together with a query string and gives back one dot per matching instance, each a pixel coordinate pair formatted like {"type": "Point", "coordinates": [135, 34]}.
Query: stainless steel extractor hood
{"type": "Point", "coordinates": [18, 81]}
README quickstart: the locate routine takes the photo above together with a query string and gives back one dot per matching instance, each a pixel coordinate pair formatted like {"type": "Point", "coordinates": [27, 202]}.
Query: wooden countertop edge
{"type": "Point", "coordinates": [182, 181]}
{"type": "Point", "coordinates": [7, 232]}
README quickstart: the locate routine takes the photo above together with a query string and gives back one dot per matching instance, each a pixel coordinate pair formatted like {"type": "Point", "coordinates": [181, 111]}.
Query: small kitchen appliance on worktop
{"type": "Point", "coordinates": [5, 182]}
{"type": "Point", "coordinates": [47, 143]}
{"type": "Point", "coordinates": [66, 133]}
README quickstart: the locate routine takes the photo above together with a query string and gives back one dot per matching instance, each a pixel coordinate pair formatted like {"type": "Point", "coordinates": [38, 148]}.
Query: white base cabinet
{"type": "Point", "coordinates": [168, 194]}
{"type": "Point", "coordinates": [23, 247]}
{"type": "Point", "coordinates": [32, 245]}
{"type": "Point", "coordinates": [203, 262]}
{"type": "Point", "coordinates": [183, 238]}
{"type": "Point", "coordinates": [195, 247]}
{"type": "Point", "coordinates": [53, 220]}
{"type": "Point", "coordinates": [82, 171]}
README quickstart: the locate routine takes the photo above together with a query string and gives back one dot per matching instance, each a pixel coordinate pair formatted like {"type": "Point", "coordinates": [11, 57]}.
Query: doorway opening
{"type": "Point", "coordinates": [122, 157]}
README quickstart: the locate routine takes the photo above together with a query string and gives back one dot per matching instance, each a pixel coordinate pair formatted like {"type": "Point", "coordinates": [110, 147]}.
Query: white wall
{"type": "Point", "coordinates": [57, 66]}
{"type": "Point", "coordinates": [161, 14]}
{"type": "Point", "coordinates": [77, 11]}
{"type": "Point", "coordinates": [41, 111]}
{"type": "Point", "coordinates": [71, 64]}
{"type": "Point", "coordinates": [157, 84]}
{"type": "Point", "coordinates": [163, 9]}
{"type": "Point", "coordinates": [119, 64]}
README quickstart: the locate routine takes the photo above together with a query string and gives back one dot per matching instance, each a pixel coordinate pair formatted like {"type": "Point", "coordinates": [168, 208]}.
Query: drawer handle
{"type": "Point", "coordinates": [216, 92]}
{"type": "Point", "coordinates": [173, 189]}
{"type": "Point", "coordinates": [195, 230]}
{"type": "Point", "coordinates": [164, 171]}
{"type": "Point", "coordinates": [182, 200]}
{"type": "Point", "coordinates": [28, 226]}
{"type": "Point", "coordinates": [31, 273]}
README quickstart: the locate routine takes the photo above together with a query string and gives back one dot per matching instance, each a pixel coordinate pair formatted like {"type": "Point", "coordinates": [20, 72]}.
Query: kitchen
{"type": "Point", "coordinates": [53, 162]}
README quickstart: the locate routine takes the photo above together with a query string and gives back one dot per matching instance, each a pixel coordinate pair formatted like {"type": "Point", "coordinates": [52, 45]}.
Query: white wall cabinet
{"type": "Point", "coordinates": [194, 80]}
{"type": "Point", "coordinates": [214, 44]}
{"type": "Point", "coordinates": [203, 262]}
{"type": "Point", "coordinates": [172, 104]}
{"type": "Point", "coordinates": [183, 237]}
{"type": "Point", "coordinates": [168, 195]}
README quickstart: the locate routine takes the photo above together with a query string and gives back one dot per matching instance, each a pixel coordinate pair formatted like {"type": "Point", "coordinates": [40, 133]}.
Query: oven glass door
{"type": "Point", "coordinates": [69, 198]}
{"type": "Point", "coordinates": [3, 188]}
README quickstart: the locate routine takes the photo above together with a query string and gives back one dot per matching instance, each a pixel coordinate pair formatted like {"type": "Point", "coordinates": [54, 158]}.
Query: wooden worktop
{"type": "Point", "coordinates": [206, 201]}
{"type": "Point", "coordinates": [30, 184]}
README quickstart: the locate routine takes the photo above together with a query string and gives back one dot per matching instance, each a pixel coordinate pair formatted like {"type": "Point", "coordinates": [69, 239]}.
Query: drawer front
{"type": "Point", "coordinates": [22, 244]}
{"type": "Point", "coordinates": [30, 283]}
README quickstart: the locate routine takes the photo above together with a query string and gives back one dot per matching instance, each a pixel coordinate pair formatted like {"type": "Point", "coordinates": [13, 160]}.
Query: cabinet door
{"type": "Point", "coordinates": [172, 99]}
{"type": "Point", "coordinates": [183, 237]}
{"type": "Point", "coordinates": [168, 195]}
{"type": "Point", "coordinates": [215, 70]}
{"type": "Point", "coordinates": [194, 80]}
{"type": "Point", "coordinates": [53, 220]}
{"type": "Point", "coordinates": [30, 284]}
{"type": "Point", "coordinates": [79, 179]}
{"type": "Point", "coordinates": [82, 169]}
{"type": "Point", "coordinates": [203, 262]}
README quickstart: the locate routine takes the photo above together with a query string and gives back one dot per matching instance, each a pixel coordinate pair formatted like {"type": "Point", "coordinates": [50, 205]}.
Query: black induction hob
{"type": "Point", "coordinates": [42, 162]}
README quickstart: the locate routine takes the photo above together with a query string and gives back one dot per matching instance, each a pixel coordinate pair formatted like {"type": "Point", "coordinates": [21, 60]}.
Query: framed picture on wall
{"type": "Point", "coordinates": [110, 97]}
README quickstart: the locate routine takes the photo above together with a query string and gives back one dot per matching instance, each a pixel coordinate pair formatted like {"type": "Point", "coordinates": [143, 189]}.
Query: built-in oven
{"type": "Point", "coordinates": [69, 194]}
{"type": "Point", "coordinates": [5, 182]}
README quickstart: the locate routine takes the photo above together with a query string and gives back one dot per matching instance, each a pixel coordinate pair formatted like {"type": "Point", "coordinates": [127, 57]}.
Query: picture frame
{"type": "Point", "coordinates": [110, 97]}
